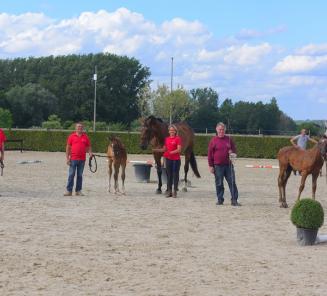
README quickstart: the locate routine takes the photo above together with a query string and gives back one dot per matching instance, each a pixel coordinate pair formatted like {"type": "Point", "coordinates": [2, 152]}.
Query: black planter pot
{"type": "Point", "coordinates": [142, 172]}
{"type": "Point", "coordinates": [306, 237]}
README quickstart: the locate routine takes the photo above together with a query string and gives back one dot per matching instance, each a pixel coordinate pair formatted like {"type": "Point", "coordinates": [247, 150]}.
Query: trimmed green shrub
{"type": "Point", "coordinates": [307, 213]}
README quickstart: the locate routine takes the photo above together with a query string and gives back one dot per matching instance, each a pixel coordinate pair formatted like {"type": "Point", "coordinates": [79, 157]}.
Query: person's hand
{"type": "Point", "coordinates": [232, 155]}
{"type": "Point", "coordinates": [68, 162]}
{"type": "Point", "coordinates": [211, 170]}
{"type": "Point", "coordinates": [91, 154]}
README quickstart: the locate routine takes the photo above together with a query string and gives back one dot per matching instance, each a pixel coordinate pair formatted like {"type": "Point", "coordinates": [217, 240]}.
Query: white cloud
{"type": "Point", "coordinates": [301, 64]}
{"type": "Point", "coordinates": [239, 54]}
{"type": "Point", "coordinates": [313, 49]}
{"type": "Point", "coordinates": [245, 54]}
{"type": "Point", "coordinates": [246, 34]}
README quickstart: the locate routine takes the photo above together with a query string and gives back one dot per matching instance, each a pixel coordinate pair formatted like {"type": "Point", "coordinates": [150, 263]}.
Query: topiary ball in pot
{"type": "Point", "coordinates": [307, 213]}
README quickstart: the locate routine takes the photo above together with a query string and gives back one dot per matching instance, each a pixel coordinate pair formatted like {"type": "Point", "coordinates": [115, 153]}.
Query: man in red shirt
{"type": "Point", "coordinates": [2, 147]}
{"type": "Point", "coordinates": [78, 144]}
{"type": "Point", "coordinates": [221, 148]}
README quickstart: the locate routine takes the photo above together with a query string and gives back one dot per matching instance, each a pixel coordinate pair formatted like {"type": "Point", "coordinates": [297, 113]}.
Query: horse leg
{"type": "Point", "coordinates": [287, 174]}
{"type": "Point", "coordinates": [284, 174]}
{"type": "Point", "coordinates": [110, 173]}
{"type": "Point", "coordinates": [159, 172]}
{"type": "Point", "coordinates": [281, 186]}
{"type": "Point", "coordinates": [123, 167]}
{"type": "Point", "coordinates": [304, 177]}
{"type": "Point", "coordinates": [116, 166]}
{"type": "Point", "coordinates": [314, 183]}
{"type": "Point", "coordinates": [186, 168]}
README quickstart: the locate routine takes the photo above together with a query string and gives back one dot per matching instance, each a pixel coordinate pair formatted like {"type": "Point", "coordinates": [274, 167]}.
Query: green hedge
{"type": "Point", "coordinates": [254, 147]}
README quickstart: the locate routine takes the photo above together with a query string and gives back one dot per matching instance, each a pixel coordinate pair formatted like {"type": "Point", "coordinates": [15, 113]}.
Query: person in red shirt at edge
{"type": "Point", "coordinates": [172, 150]}
{"type": "Point", "coordinates": [220, 152]}
{"type": "Point", "coordinates": [2, 147]}
{"type": "Point", "coordinates": [78, 144]}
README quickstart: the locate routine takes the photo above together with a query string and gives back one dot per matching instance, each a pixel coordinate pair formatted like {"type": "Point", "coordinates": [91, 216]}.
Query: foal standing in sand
{"type": "Point", "coordinates": [117, 156]}
{"type": "Point", "coordinates": [306, 161]}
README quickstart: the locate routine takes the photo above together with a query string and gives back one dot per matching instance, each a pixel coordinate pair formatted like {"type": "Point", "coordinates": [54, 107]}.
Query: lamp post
{"type": "Point", "coordinates": [95, 97]}
{"type": "Point", "coordinates": [171, 85]}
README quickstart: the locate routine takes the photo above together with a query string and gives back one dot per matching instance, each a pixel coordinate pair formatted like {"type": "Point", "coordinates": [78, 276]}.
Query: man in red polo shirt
{"type": "Point", "coordinates": [78, 144]}
{"type": "Point", "coordinates": [2, 147]}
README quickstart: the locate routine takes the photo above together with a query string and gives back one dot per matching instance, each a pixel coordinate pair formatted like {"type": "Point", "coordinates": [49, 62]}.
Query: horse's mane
{"type": "Point", "coordinates": [152, 117]}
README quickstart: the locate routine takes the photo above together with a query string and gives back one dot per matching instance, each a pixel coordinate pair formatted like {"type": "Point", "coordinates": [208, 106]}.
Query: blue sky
{"type": "Point", "coordinates": [245, 50]}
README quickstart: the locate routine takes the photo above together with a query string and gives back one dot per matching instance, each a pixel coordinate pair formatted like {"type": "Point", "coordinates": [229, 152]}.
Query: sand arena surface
{"type": "Point", "coordinates": [145, 244]}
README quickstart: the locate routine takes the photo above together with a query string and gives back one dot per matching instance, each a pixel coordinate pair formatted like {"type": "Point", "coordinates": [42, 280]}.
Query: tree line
{"type": "Point", "coordinates": [59, 91]}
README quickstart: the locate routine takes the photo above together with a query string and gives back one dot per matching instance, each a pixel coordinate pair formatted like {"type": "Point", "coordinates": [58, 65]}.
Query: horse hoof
{"type": "Point", "coordinates": [158, 191]}
{"type": "Point", "coordinates": [184, 189]}
{"type": "Point", "coordinates": [283, 205]}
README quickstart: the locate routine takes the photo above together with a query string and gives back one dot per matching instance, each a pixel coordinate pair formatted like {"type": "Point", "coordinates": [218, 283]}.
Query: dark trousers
{"type": "Point", "coordinates": [172, 167]}
{"type": "Point", "coordinates": [227, 172]}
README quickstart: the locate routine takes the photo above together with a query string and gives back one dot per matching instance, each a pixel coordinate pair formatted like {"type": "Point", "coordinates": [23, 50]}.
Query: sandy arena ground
{"type": "Point", "coordinates": [145, 244]}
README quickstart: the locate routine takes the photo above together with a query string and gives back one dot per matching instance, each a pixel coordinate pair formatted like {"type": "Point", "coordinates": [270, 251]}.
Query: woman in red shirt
{"type": "Point", "coordinates": [172, 149]}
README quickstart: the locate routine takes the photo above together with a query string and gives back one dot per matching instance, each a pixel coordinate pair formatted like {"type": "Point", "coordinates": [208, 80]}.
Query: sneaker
{"type": "Point", "coordinates": [79, 193]}
{"type": "Point", "coordinates": [234, 203]}
{"type": "Point", "coordinates": [219, 203]}
{"type": "Point", "coordinates": [68, 193]}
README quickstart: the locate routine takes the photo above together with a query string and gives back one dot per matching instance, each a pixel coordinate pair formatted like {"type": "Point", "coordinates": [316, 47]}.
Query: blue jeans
{"type": "Point", "coordinates": [75, 166]}
{"type": "Point", "coordinates": [227, 172]}
{"type": "Point", "coordinates": [172, 168]}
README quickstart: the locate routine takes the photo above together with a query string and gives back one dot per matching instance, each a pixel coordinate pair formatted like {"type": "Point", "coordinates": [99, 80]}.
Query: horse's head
{"type": "Point", "coordinates": [147, 131]}
{"type": "Point", "coordinates": [322, 145]}
{"type": "Point", "coordinates": [115, 145]}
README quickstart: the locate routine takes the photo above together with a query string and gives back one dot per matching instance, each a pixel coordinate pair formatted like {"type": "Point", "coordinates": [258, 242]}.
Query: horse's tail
{"type": "Point", "coordinates": [194, 165]}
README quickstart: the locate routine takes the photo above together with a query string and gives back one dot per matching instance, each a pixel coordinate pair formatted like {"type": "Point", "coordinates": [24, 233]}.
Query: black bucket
{"type": "Point", "coordinates": [142, 172]}
{"type": "Point", "coordinates": [306, 237]}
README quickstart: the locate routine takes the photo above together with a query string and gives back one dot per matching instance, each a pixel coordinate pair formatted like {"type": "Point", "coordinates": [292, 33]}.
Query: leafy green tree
{"type": "Point", "coordinates": [5, 118]}
{"type": "Point", "coordinates": [69, 78]}
{"type": "Point", "coordinates": [53, 122]}
{"type": "Point", "coordinates": [206, 102]}
{"type": "Point", "coordinates": [31, 104]}
{"type": "Point", "coordinates": [225, 111]}
{"type": "Point", "coordinates": [176, 104]}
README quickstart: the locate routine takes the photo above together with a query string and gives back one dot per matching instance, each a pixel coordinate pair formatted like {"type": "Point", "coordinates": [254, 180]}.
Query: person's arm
{"type": "Point", "coordinates": [163, 149]}
{"type": "Point", "coordinates": [68, 153]}
{"type": "Point", "coordinates": [178, 150]}
{"type": "Point", "coordinates": [89, 151]}
{"type": "Point", "coordinates": [312, 140]}
{"type": "Point", "coordinates": [210, 158]}
{"type": "Point", "coordinates": [292, 140]}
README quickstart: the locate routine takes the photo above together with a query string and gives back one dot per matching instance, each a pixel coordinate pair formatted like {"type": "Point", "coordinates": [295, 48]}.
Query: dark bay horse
{"type": "Point", "coordinates": [306, 161]}
{"type": "Point", "coordinates": [117, 157]}
{"type": "Point", "coordinates": [154, 131]}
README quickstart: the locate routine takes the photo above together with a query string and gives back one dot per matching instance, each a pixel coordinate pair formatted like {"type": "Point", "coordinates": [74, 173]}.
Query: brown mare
{"type": "Point", "coordinates": [154, 131]}
{"type": "Point", "coordinates": [117, 157]}
{"type": "Point", "coordinates": [306, 161]}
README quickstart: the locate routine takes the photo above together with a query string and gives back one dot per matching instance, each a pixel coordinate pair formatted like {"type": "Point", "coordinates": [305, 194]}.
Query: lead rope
{"type": "Point", "coordinates": [94, 160]}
